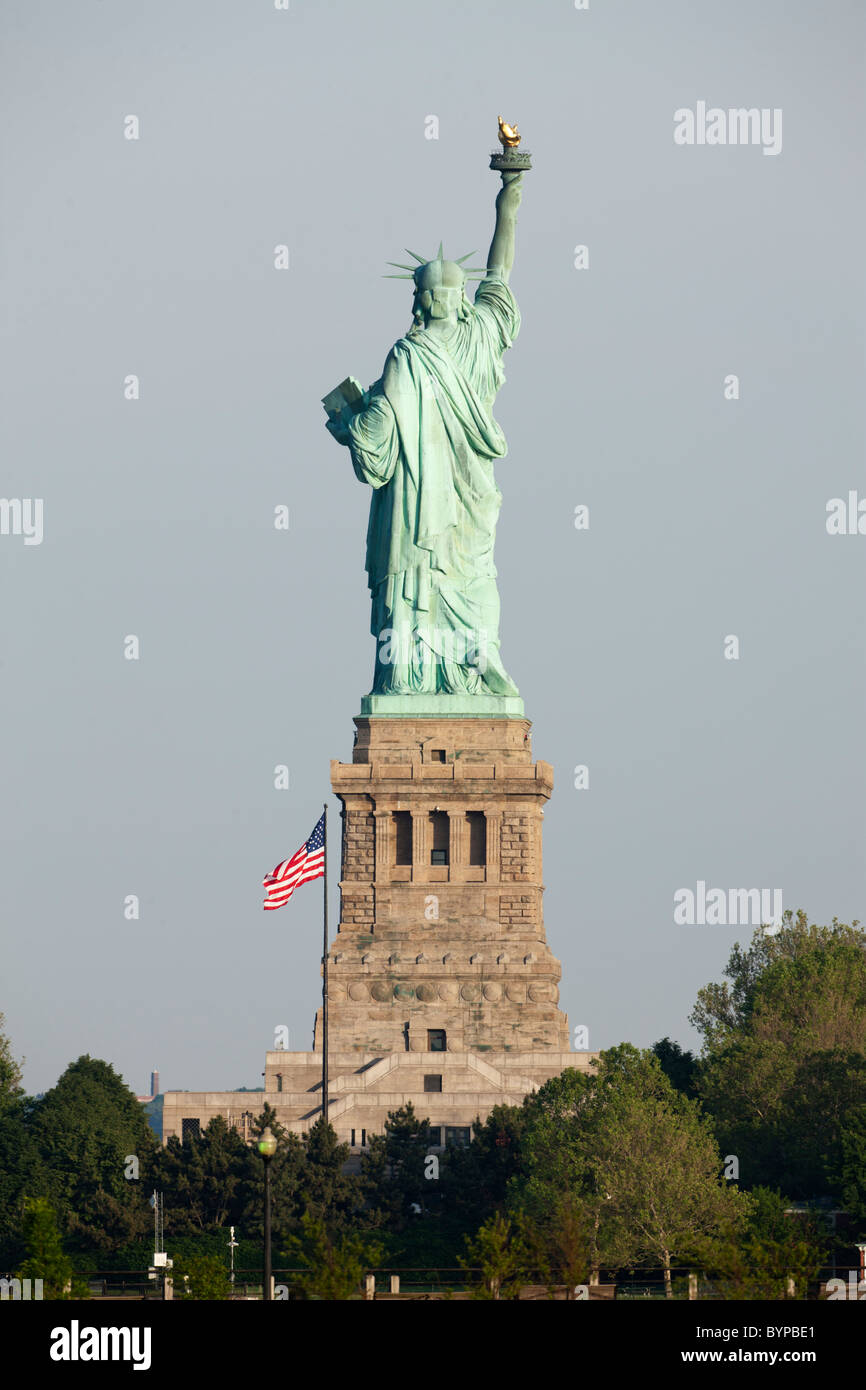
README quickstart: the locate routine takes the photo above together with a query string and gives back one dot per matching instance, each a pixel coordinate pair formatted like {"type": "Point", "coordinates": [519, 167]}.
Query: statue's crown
{"type": "Point", "coordinates": [435, 275]}
{"type": "Point", "coordinates": [438, 273]}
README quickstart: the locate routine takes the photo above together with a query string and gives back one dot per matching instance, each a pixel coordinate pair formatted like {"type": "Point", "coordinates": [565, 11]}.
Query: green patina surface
{"type": "Point", "coordinates": [424, 438]}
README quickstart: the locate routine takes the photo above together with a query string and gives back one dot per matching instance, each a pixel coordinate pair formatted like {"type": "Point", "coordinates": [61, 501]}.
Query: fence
{"type": "Point", "coordinates": [445, 1282]}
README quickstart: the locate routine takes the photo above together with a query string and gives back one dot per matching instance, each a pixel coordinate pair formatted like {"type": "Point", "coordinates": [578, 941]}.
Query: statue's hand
{"type": "Point", "coordinates": [509, 195]}
{"type": "Point", "coordinates": [336, 426]}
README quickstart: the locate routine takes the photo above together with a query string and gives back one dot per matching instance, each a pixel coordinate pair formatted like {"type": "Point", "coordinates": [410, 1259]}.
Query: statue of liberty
{"type": "Point", "coordinates": [423, 436]}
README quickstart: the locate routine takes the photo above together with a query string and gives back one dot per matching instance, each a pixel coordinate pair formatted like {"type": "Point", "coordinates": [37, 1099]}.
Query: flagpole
{"type": "Point", "coordinates": [325, 1115]}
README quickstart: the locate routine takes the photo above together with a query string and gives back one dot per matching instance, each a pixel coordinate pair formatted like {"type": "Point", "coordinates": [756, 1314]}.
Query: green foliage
{"type": "Point", "coordinates": [678, 1066]}
{"type": "Point", "coordinates": [19, 1162]}
{"type": "Point", "coordinates": [637, 1156]}
{"type": "Point", "coordinates": [215, 1180]}
{"type": "Point", "coordinates": [10, 1071]}
{"type": "Point", "coordinates": [775, 1257]}
{"type": "Point", "coordinates": [201, 1179]}
{"type": "Point", "coordinates": [287, 1183]}
{"type": "Point", "coordinates": [83, 1130]}
{"type": "Point", "coordinates": [502, 1253]}
{"type": "Point", "coordinates": [475, 1180]}
{"type": "Point", "coordinates": [333, 1265]}
{"type": "Point", "coordinates": [563, 1247]}
{"type": "Point", "coordinates": [785, 1054]}
{"type": "Point", "coordinates": [329, 1194]}
{"type": "Point", "coordinates": [45, 1256]}
{"type": "Point", "coordinates": [392, 1171]}
{"type": "Point", "coordinates": [17, 1155]}
{"type": "Point", "coordinates": [203, 1278]}
{"type": "Point", "coordinates": [724, 1009]}
{"type": "Point", "coordinates": [849, 1177]}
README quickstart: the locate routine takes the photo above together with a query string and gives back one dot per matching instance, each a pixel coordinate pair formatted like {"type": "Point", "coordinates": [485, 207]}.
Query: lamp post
{"type": "Point", "coordinates": [267, 1148]}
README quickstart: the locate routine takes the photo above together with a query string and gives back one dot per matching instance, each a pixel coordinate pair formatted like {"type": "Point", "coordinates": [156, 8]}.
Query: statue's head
{"type": "Point", "coordinates": [440, 287]}
{"type": "Point", "coordinates": [440, 292]}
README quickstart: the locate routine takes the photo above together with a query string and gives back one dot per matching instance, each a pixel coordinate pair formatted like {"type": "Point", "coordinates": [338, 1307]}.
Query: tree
{"type": "Point", "coordinates": [329, 1194]}
{"type": "Point", "coordinates": [17, 1154]}
{"type": "Point", "coordinates": [19, 1167]}
{"type": "Point", "coordinates": [201, 1277]}
{"type": "Point", "coordinates": [286, 1182]}
{"type": "Point", "coordinates": [500, 1251]}
{"type": "Point", "coordinates": [785, 1052]}
{"type": "Point", "coordinates": [656, 1160]}
{"type": "Point", "coordinates": [201, 1179]}
{"type": "Point", "coordinates": [475, 1179]}
{"type": "Point", "coordinates": [849, 1177]}
{"type": "Point", "coordinates": [392, 1169]}
{"type": "Point", "coordinates": [10, 1071]}
{"type": "Point", "coordinates": [678, 1066]}
{"type": "Point", "coordinates": [564, 1247]}
{"type": "Point", "coordinates": [85, 1130]}
{"type": "Point", "coordinates": [775, 1256]}
{"type": "Point", "coordinates": [333, 1266]}
{"type": "Point", "coordinates": [723, 1009]}
{"type": "Point", "coordinates": [637, 1154]}
{"type": "Point", "coordinates": [45, 1258]}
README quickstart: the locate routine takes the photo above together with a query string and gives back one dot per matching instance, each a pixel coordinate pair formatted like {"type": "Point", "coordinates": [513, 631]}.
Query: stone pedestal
{"type": "Point", "coordinates": [441, 943]}
{"type": "Point", "coordinates": [442, 990]}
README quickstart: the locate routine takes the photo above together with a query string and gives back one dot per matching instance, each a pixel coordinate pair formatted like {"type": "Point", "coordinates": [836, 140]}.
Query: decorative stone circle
{"type": "Point", "coordinates": [540, 993]}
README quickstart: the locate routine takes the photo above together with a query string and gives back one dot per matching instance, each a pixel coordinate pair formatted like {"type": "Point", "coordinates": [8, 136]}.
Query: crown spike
{"type": "Point", "coordinates": [439, 255]}
{"type": "Point", "coordinates": [420, 259]}
{"type": "Point", "coordinates": [461, 259]}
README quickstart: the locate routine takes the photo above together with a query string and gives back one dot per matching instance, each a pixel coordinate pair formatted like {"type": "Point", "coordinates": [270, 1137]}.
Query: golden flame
{"type": "Point", "coordinates": [508, 135]}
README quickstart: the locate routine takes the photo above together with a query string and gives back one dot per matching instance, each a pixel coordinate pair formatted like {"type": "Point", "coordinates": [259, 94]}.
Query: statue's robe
{"type": "Point", "coordinates": [426, 445]}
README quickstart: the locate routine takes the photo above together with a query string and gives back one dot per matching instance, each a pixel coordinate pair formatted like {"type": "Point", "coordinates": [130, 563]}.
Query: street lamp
{"type": "Point", "coordinates": [267, 1148]}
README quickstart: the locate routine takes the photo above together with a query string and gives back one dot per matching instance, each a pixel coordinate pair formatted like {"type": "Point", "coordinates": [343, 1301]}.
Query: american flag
{"type": "Point", "coordinates": [305, 864]}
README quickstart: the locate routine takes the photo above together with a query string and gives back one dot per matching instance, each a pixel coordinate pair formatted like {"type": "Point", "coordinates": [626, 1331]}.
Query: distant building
{"type": "Point", "coordinates": [154, 1088]}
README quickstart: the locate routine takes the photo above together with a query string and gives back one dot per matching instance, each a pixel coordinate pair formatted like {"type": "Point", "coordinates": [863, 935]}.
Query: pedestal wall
{"type": "Point", "coordinates": [441, 942]}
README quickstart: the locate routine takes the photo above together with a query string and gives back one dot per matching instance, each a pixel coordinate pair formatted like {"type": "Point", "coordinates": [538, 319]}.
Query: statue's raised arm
{"type": "Point", "coordinates": [500, 257]}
